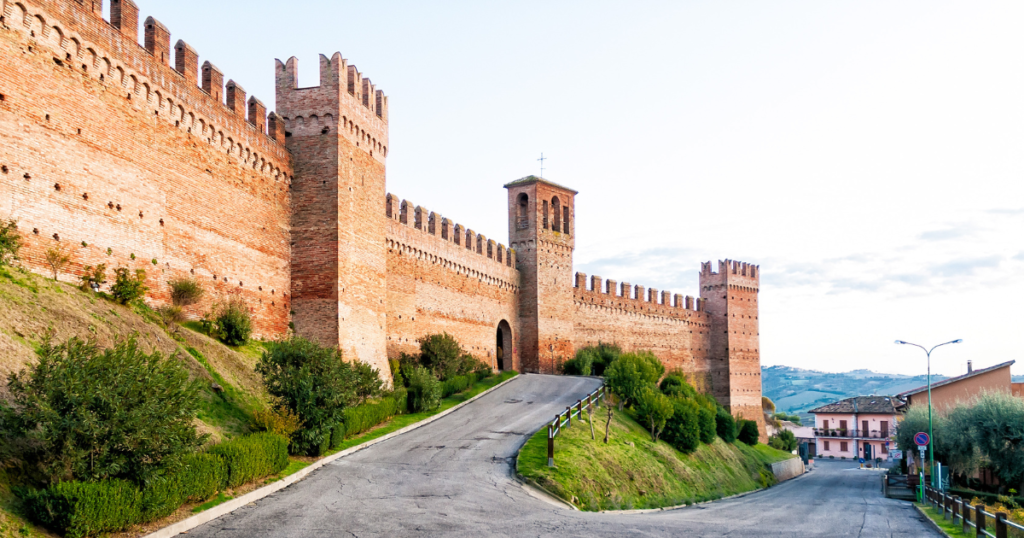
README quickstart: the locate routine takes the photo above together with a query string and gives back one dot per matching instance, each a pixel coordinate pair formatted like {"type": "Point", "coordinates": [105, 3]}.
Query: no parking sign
{"type": "Point", "coordinates": [921, 439]}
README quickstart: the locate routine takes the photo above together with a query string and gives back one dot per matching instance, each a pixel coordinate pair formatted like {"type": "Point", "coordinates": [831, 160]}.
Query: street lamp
{"type": "Point", "coordinates": [931, 439]}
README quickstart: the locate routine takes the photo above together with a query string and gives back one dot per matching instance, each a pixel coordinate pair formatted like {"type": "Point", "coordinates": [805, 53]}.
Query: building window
{"type": "Point", "coordinates": [545, 214]}
{"type": "Point", "coordinates": [556, 206]}
{"type": "Point", "coordinates": [565, 220]}
{"type": "Point", "coordinates": [523, 214]}
{"type": "Point", "coordinates": [842, 446]}
{"type": "Point", "coordinates": [826, 442]}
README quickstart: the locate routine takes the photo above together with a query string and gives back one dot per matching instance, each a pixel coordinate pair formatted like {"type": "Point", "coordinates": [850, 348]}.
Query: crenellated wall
{"type": "Point", "coordinates": [440, 281]}
{"type": "Point", "coordinates": [106, 150]}
{"type": "Point", "coordinates": [675, 328]}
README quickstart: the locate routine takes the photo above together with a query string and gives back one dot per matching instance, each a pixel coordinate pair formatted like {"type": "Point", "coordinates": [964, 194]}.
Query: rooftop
{"type": "Point", "coordinates": [911, 392]}
{"type": "Point", "coordinates": [535, 179]}
{"type": "Point", "coordinates": [860, 404]}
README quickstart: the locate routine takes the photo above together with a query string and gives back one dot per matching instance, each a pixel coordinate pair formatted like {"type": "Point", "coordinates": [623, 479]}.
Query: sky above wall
{"type": "Point", "coordinates": [867, 155]}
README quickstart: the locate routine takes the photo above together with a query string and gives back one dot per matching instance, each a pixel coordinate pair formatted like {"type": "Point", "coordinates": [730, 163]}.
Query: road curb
{"type": "Point", "coordinates": [930, 521]}
{"type": "Point", "coordinates": [207, 516]}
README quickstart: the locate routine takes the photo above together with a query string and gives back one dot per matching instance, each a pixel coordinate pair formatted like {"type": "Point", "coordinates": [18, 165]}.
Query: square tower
{"type": "Point", "coordinates": [730, 297]}
{"type": "Point", "coordinates": [337, 133]}
{"type": "Point", "coordinates": [541, 229]}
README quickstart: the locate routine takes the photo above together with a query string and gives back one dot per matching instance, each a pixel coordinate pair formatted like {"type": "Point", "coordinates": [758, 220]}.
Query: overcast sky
{"type": "Point", "coordinates": [867, 155]}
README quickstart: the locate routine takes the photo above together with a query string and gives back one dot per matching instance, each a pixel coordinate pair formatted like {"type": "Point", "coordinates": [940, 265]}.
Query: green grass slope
{"type": "Point", "coordinates": [632, 472]}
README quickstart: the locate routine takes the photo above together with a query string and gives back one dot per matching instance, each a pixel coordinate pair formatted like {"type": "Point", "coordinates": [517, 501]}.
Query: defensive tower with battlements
{"type": "Point", "coordinates": [136, 154]}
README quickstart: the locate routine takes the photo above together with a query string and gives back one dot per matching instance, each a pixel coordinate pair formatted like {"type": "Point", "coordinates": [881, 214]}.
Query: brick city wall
{"type": "Point", "coordinates": [443, 277]}
{"type": "Point", "coordinates": [105, 146]}
{"type": "Point", "coordinates": [673, 327]}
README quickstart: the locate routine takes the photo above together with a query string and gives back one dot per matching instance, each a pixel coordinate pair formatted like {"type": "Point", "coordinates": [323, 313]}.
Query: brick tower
{"type": "Point", "coordinates": [730, 296]}
{"type": "Point", "coordinates": [541, 229]}
{"type": "Point", "coordinates": [337, 133]}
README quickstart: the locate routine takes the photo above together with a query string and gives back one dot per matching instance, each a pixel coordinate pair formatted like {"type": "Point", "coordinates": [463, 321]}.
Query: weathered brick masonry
{"type": "Point", "coordinates": [132, 154]}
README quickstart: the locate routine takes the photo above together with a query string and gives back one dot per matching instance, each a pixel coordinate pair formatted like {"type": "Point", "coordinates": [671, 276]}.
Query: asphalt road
{"type": "Point", "coordinates": [454, 477]}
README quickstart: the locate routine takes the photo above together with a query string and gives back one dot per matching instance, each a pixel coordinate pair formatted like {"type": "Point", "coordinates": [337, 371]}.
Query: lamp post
{"type": "Point", "coordinates": [931, 442]}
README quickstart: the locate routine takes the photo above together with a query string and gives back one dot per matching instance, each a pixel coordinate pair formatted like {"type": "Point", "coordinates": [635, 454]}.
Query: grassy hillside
{"type": "Point", "coordinates": [631, 471]}
{"type": "Point", "coordinates": [32, 306]}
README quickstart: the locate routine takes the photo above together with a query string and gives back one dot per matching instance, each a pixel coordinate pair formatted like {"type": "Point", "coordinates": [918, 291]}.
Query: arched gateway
{"type": "Point", "coordinates": [503, 346]}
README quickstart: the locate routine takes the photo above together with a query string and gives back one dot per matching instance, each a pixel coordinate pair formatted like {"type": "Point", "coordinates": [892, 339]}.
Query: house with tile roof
{"type": "Point", "coordinates": [946, 393]}
{"type": "Point", "coordinates": [858, 427]}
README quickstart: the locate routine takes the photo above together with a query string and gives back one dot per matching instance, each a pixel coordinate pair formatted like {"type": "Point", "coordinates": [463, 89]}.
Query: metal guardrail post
{"type": "Point", "coordinates": [1001, 531]}
{"type": "Point", "coordinates": [979, 520]}
{"type": "Point", "coordinates": [551, 445]}
{"type": "Point", "coordinates": [568, 416]}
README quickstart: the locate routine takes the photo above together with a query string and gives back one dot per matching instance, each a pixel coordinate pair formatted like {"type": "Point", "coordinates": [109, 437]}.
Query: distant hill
{"type": "Point", "coordinates": [795, 390]}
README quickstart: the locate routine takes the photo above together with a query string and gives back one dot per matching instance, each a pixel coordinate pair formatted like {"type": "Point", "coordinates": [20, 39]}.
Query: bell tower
{"type": "Point", "coordinates": [541, 229]}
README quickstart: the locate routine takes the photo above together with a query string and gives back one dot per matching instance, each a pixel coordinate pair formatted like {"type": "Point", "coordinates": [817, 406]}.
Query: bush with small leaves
{"type": "Point", "coordinates": [10, 242]}
{"type": "Point", "coordinates": [748, 432]}
{"type": "Point", "coordinates": [784, 440]}
{"type": "Point", "coordinates": [675, 385]}
{"type": "Point", "coordinates": [92, 414]}
{"type": "Point", "coordinates": [629, 374]}
{"type": "Point", "coordinates": [57, 258]}
{"type": "Point", "coordinates": [280, 420]}
{"type": "Point", "coordinates": [186, 291]}
{"type": "Point", "coordinates": [233, 322]}
{"type": "Point", "coordinates": [93, 277]}
{"type": "Point", "coordinates": [253, 456]}
{"type": "Point", "coordinates": [313, 382]}
{"type": "Point", "coordinates": [653, 409]}
{"type": "Point", "coordinates": [725, 425]}
{"type": "Point", "coordinates": [128, 285]}
{"type": "Point", "coordinates": [78, 509]}
{"type": "Point", "coordinates": [368, 381]}
{"type": "Point", "coordinates": [170, 314]}
{"type": "Point", "coordinates": [683, 429]}
{"type": "Point", "coordinates": [424, 390]}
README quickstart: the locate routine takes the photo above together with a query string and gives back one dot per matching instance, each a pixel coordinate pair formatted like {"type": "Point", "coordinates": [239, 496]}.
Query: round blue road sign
{"type": "Point", "coordinates": [921, 439]}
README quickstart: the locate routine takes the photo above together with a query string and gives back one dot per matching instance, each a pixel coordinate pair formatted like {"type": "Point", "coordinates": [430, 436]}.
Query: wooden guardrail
{"type": "Point", "coordinates": [564, 419]}
{"type": "Point", "coordinates": [959, 510]}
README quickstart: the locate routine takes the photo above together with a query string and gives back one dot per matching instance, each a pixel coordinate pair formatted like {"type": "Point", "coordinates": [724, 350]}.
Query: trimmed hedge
{"type": "Point", "coordinates": [456, 384]}
{"type": "Point", "coordinates": [361, 418]}
{"type": "Point", "coordinates": [76, 509]}
{"type": "Point", "coordinates": [253, 456]}
{"type": "Point", "coordinates": [337, 435]}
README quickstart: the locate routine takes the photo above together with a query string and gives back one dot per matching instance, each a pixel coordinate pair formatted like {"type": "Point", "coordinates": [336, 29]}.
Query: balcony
{"type": "Point", "coordinates": [853, 433]}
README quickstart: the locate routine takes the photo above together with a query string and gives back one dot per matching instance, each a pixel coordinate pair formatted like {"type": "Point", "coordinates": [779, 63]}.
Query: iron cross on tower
{"type": "Point", "coordinates": [542, 159]}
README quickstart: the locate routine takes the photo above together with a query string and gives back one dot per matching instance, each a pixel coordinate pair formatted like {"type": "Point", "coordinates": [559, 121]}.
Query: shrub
{"type": "Point", "coordinates": [313, 382]}
{"type": "Point", "coordinates": [128, 285]}
{"type": "Point", "coordinates": [601, 356]}
{"type": "Point", "coordinates": [424, 390]}
{"type": "Point", "coordinates": [77, 509]}
{"type": "Point", "coordinates": [368, 381]}
{"type": "Point", "coordinates": [457, 384]}
{"type": "Point", "coordinates": [396, 373]}
{"type": "Point", "coordinates": [170, 313]}
{"type": "Point", "coordinates": [361, 418]}
{"type": "Point", "coordinates": [629, 374]}
{"type": "Point", "coordinates": [57, 258]}
{"type": "Point", "coordinates": [94, 275]}
{"type": "Point", "coordinates": [784, 440]}
{"type": "Point", "coordinates": [10, 242]}
{"type": "Point", "coordinates": [675, 385]}
{"type": "Point", "coordinates": [202, 475]}
{"type": "Point", "coordinates": [233, 322]}
{"type": "Point", "coordinates": [683, 430]}
{"type": "Point", "coordinates": [725, 425]}
{"type": "Point", "coordinates": [748, 432]}
{"type": "Point", "coordinates": [253, 456]}
{"type": "Point", "coordinates": [442, 354]}
{"type": "Point", "coordinates": [92, 415]}
{"type": "Point", "coordinates": [707, 424]}
{"type": "Point", "coordinates": [581, 364]}
{"type": "Point", "coordinates": [280, 420]}
{"type": "Point", "coordinates": [185, 291]}
{"type": "Point", "coordinates": [338, 434]}
{"type": "Point", "coordinates": [653, 409]}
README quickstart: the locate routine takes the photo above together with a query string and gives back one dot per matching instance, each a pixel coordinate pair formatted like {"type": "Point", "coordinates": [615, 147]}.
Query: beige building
{"type": "Point", "coordinates": [946, 393]}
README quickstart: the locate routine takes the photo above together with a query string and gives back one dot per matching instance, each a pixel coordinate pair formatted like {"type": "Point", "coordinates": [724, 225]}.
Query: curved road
{"type": "Point", "coordinates": [454, 477]}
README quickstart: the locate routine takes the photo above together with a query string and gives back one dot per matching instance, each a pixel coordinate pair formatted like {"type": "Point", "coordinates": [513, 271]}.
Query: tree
{"type": "Point", "coordinates": [368, 381]}
{"type": "Point", "coordinates": [57, 258]}
{"type": "Point", "coordinates": [998, 428]}
{"type": "Point", "coordinates": [424, 390]}
{"type": "Point", "coordinates": [676, 386]}
{"type": "Point", "coordinates": [93, 415]}
{"type": "Point", "coordinates": [784, 440]}
{"type": "Point", "coordinates": [654, 409]}
{"type": "Point", "coordinates": [313, 382]}
{"type": "Point", "coordinates": [10, 242]}
{"type": "Point", "coordinates": [629, 374]}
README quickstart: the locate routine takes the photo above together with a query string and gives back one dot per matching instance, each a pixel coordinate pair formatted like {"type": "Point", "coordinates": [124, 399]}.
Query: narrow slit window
{"type": "Point", "coordinates": [556, 225]}
{"type": "Point", "coordinates": [545, 214]}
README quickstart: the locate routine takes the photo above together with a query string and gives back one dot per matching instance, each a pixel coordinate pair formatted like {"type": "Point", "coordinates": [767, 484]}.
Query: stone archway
{"type": "Point", "coordinates": [503, 346]}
